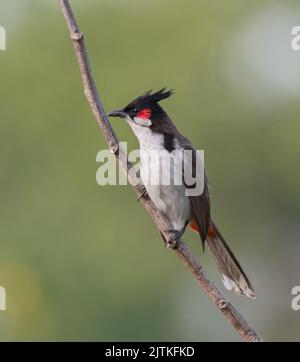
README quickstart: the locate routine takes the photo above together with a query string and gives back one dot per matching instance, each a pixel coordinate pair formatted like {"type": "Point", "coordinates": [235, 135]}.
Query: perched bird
{"type": "Point", "coordinates": [155, 131]}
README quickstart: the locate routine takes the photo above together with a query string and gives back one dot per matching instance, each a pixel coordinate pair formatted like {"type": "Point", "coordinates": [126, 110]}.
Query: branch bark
{"type": "Point", "coordinates": [247, 333]}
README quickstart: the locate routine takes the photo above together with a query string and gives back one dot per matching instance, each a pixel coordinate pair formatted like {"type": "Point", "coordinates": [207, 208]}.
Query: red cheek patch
{"type": "Point", "coordinates": [144, 114]}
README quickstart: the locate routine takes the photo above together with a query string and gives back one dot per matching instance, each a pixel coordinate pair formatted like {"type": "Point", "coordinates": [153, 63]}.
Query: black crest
{"type": "Point", "coordinates": [150, 98]}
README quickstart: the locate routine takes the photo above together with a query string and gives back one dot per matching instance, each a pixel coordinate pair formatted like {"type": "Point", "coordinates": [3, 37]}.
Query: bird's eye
{"type": "Point", "coordinates": [135, 110]}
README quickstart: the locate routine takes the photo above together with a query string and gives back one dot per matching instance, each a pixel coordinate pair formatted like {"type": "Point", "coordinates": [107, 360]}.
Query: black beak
{"type": "Point", "coordinates": [120, 114]}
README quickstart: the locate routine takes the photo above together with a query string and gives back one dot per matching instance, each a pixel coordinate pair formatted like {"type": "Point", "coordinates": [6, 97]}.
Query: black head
{"type": "Point", "coordinates": [145, 109]}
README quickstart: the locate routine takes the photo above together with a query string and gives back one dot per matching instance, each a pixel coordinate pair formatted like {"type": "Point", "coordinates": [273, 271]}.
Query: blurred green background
{"type": "Point", "coordinates": [81, 261]}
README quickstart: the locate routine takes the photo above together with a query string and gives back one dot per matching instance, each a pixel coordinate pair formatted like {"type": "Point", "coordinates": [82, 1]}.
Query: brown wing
{"type": "Point", "coordinates": [201, 203]}
{"type": "Point", "coordinates": [233, 275]}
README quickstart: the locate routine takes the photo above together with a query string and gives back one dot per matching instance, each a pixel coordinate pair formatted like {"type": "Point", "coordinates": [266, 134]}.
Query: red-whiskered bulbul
{"type": "Point", "coordinates": [155, 131]}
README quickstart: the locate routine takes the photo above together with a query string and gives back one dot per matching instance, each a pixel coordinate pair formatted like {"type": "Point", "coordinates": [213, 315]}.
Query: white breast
{"type": "Point", "coordinates": [157, 169]}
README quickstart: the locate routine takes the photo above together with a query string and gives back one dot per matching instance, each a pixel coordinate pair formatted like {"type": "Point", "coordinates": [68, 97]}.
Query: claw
{"type": "Point", "coordinates": [143, 194]}
{"type": "Point", "coordinates": [169, 243]}
{"type": "Point", "coordinates": [172, 242]}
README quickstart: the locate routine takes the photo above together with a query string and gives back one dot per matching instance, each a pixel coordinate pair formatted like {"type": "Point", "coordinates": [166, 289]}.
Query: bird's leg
{"type": "Point", "coordinates": [143, 194]}
{"type": "Point", "coordinates": [164, 239]}
{"type": "Point", "coordinates": [172, 241]}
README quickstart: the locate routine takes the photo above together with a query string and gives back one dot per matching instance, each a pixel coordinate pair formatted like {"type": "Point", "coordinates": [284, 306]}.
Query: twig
{"type": "Point", "coordinates": [247, 333]}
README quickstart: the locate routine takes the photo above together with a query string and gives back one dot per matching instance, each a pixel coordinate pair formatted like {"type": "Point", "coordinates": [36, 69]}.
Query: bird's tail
{"type": "Point", "coordinates": [232, 273]}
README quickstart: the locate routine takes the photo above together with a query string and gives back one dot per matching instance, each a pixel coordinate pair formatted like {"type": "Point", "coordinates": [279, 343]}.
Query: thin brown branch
{"type": "Point", "coordinates": [183, 252]}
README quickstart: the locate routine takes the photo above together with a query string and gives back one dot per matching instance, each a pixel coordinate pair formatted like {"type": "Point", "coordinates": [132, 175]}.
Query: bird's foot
{"type": "Point", "coordinates": [143, 194]}
{"type": "Point", "coordinates": [172, 241]}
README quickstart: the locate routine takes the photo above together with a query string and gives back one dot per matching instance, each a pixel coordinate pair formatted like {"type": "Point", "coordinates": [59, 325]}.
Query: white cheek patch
{"type": "Point", "coordinates": [145, 122]}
